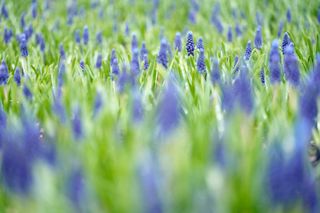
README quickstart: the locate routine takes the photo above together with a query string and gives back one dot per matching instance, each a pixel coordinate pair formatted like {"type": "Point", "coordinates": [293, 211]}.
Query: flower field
{"type": "Point", "coordinates": [159, 106]}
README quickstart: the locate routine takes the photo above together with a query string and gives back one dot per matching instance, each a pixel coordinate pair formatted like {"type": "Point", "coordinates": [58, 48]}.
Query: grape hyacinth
{"type": "Point", "coordinates": [85, 35]}
{"type": "Point", "coordinates": [99, 38]}
{"type": "Point", "coordinates": [262, 77]}
{"type": "Point", "coordinates": [248, 51]}
{"type": "Point", "coordinates": [77, 126]}
{"type": "Point", "coordinates": [99, 61]}
{"type": "Point", "coordinates": [7, 35]}
{"type": "Point", "coordinates": [162, 55]}
{"type": "Point", "coordinates": [134, 43]}
{"type": "Point", "coordinates": [17, 77]}
{"type": "Point", "coordinates": [242, 91]}
{"type": "Point", "coordinates": [77, 36]}
{"type": "Point", "coordinates": [215, 71]}
{"type": "Point", "coordinates": [178, 42]}
{"type": "Point", "coordinates": [291, 67]}
{"type": "Point", "coordinates": [62, 52]}
{"type": "Point", "coordinates": [258, 39]}
{"type": "Point", "coordinates": [274, 63]}
{"type": "Point", "coordinates": [23, 45]}
{"type": "Point", "coordinates": [145, 62]}
{"type": "Point", "coordinates": [229, 34]}
{"type": "Point", "coordinates": [190, 44]}
{"type": "Point", "coordinates": [201, 66]}
{"type": "Point", "coordinates": [143, 51]}
{"type": "Point", "coordinates": [285, 42]}
{"type": "Point", "coordinates": [200, 44]}
{"type": "Point", "coordinates": [135, 66]}
{"type": "Point", "coordinates": [288, 15]}
{"type": "Point", "coordinates": [4, 73]}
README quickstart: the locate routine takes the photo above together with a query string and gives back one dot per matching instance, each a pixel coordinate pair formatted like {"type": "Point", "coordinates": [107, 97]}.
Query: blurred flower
{"type": "Point", "coordinates": [7, 35]}
{"type": "Point", "coordinates": [262, 78]}
{"type": "Point", "coordinates": [17, 77]}
{"type": "Point", "coordinates": [82, 65]}
{"type": "Point", "coordinates": [85, 35]}
{"type": "Point", "coordinates": [134, 43]}
{"type": "Point", "coordinates": [143, 51]}
{"type": "Point", "coordinates": [23, 45]}
{"type": "Point", "coordinates": [137, 107]}
{"type": "Point", "coordinates": [285, 42]}
{"type": "Point", "coordinates": [162, 55]}
{"type": "Point", "coordinates": [34, 10]}
{"type": "Point", "coordinates": [76, 188]}
{"type": "Point", "coordinates": [190, 44]}
{"type": "Point", "coordinates": [62, 52]}
{"type": "Point", "coordinates": [135, 67]}
{"type": "Point", "coordinates": [58, 108]}
{"type": "Point", "coordinates": [99, 37]}
{"type": "Point", "coordinates": [4, 73]}
{"type": "Point", "coordinates": [274, 63]}
{"type": "Point", "coordinates": [77, 124]}
{"type": "Point", "coordinates": [22, 21]}
{"type": "Point", "coordinates": [248, 51]}
{"type": "Point", "coordinates": [258, 39]}
{"type": "Point", "coordinates": [77, 36]}
{"type": "Point", "coordinates": [291, 67]}
{"type": "Point", "coordinates": [200, 44]}
{"type": "Point", "coordinates": [168, 108]}
{"type": "Point", "coordinates": [115, 67]}
{"type": "Point", "coordinates": [201, 66]}
{"type": "Point", "coordinates": [99, 61]}
{"type": "Point", "coordinates": [192, 16]}
{"type": "Point", "coordinates": [127, 30]}
{"type": "Point", "coordinates": [229, 34]}
{"type": "Point", "coordinates": [215, 72]}
{"type": "Point", "coordinates": [98, 103]}
{"type": "Point", "coordinates": [178, 42]}
{"type": "Point", "coordinates": [289, 15]}
{"type": "Point", "coordinates": [236, 65]}
{"type": "Point", "coordinates": [27, 93]}
{"type": "Point", "coordinates": [3, 120]}
{"type": "Point", "coordinates": [145, 62]}
{"type": "Point", "coordinates": [280, 28]}
{"type": "Point", "coordinates": [238, 30]}
{"type": "Point", "coordinates": [4, 11]}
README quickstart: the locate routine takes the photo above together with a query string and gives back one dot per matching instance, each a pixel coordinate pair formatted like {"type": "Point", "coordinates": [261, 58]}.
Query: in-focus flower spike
{"type": "Point", "coordinates": [190, 44]}
{"type": "Point", "coordinates": [26, 91]}
{"type": "Point", "coordinates": [99, 61]}
{"type": "Point", "coordinates": [7, 35]}
{"type": "Point", "coordinates": [4, 73]}
{"type": "Point", "coordinates": [200, 44]}
{"type": "Point", "coordinates": [248, 51]}
{"type": "Point", "coordinates": [62, 52]}
{"type": "Point", "coordinates": [169, 109]}
{"type": "Point", "coordinates": [262, 77]}
{"type": "Point", "coordinates": [17, 76]}
{"type": "Point", "coordinates": [280, 28]}
{"type": "Point", "coordinates": [238, 30]}
{"type": "Point", "coordinates": [178, 42]}
{"type": "Point", "coordinates": [134, 43]}
{"type": "Point", "coordinates": [285, 42]}
{"type": "Point", "coordinates": [4, 11]}
{"type": "Point", "coordinates": [82, 65]}
{"type": "Point", "coordinates": [291, 67]}
{"type": "Point", "coordinates": [85, 35]}
{"type": "Point", "coordinates": [162, 55]}
{"type": "Point", "coordinates": [274, 63]}
{"type": "Point", "coordinates": [229, 34]}
{"type": "Point", "coordinates": [289, 15]}
{"type": "Point", "coordinates": [23, 45]}
{"type": "Point", "coordinates": [258, 38]}
{"type": "Point", "coordinates": [77, 124]}
{"type": "Point", "coordinates": [143, 50]}
{"type": "Point", "coordinates": [145, 62]}
{"type": "Point", "coordinates": [99, 37]}
{"type": "Point", "coordinates": [215, 71]}
{"type": "Point", "coordinates": [201, 65]}
{"type": "Point", "coordinates": [77, 36]}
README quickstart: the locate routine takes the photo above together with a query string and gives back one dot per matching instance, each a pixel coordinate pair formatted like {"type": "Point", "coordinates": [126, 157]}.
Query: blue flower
{"type": "Point", "coordinates": [262, 77]}
{"type": "Point", "coordinates": [23, 45]}
{"type": "Point", "coordinates": [201, 66]}
{"type": "Point", "coordinates": [77, 124]}
{"type": "Point", "coordinates": [22, 21]}
{"type": "Point", "coordinates": [4, 74]}
{"type": "Point", "coordinates": [289, 15]}
{"type": "Point", "coordinates": [215, 71]}
{"type": "Point", "coordinates": [58, 108]}
{"type": "Point", "coordinates": [34, 10]}
{"type": "Point", "coordinates": [77, 36]}
{"type": "Point", "coordinates": [27, 93]}
{"type": "Point", "coordinates": [178, 42]}
{"type": "Point", "coordinates": [98, 103]}
{"type": "Point", "coordinates": [3, 120]}
{"type": "Point", "coordinates": [285, 42]}
{"type": "Point", "coordinates": [169, 108]}
{"type": "Point", "coordinates": [82, 65]}
{"type": "Point", "coordinates": [134, 43]}
{"type": "Point", "coordinates": [190, 44]}
{"type": "Point", "coordinates": [258, 39]}
{"type": "Point", "coordinates": [99, 61]}
{"type": "Point", "coordinates": [17, 77]}
{"type": "Point", "coordinates": [62, 52]}
{"type": "Point", "coordinates": [145, 62]}
{"type": "Point", "coordinates": [143, 51]}
{"type": "Point", "coordinates": [229, 34]}
{"type": "Point", "coordinates": [248, 51]}
{"type": "Point", "coordinates": [200, 44]}
{"type": "Point", "coordinates": [85, 35]}
{"type": "Point", "coordinates": [115, 67]}
{"type": "Point", "coordinates": [4, 11]}
{"type": "Point", "coordinates": [162, 55]}
{"type": "Point", "coordinates": [99, 37]}
{"type": "Point", "coordinates": [76, 188]}
{"type": "Point", "coordinates": [7, 35]}
{"type": "Point", "coordinates": [274, 63]}
{"type": "Point", "coordinates": [238, 29]}
{"type": "Point", "coordinates": [280, 28]}
{"type": "Point", "coordinates": [291, 67]}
